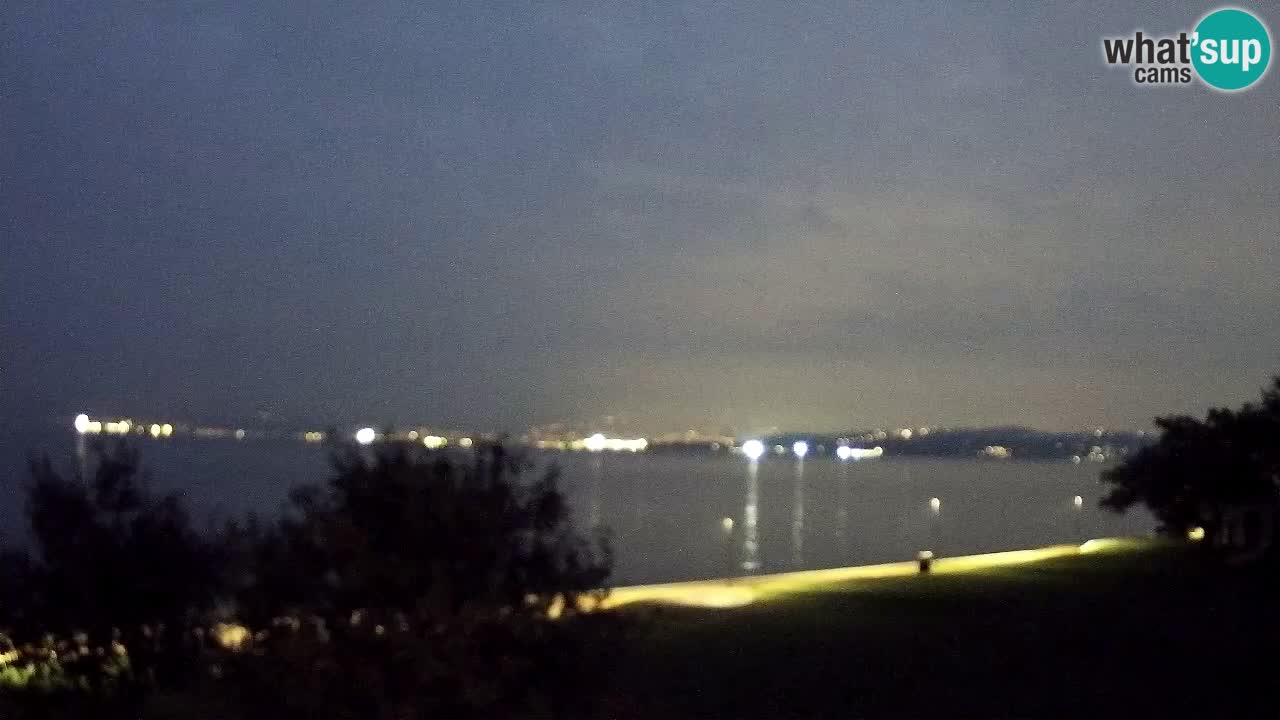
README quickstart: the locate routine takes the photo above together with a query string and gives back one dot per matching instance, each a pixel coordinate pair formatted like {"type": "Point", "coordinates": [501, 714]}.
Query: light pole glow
{"type": "Point", "coordinates": [365, 436]}
{"type": "Point", "coordinates": [800, 448]}
{"type": "Point", "coordinates": [753, 449]}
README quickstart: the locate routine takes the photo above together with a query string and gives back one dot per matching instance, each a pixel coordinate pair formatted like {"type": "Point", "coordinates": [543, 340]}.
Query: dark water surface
{"type": "Point", "coordinates": [666, 514]}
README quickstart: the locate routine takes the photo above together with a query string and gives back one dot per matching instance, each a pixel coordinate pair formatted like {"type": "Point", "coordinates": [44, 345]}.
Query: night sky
{"type": "Point", "coordinates": [748, 214]}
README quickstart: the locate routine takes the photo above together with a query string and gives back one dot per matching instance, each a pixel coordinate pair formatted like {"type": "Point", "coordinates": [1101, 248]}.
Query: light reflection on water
{"type": "Point", "coordinates": [824, 513]}
{"type": "Point", "coordinates": [797, 517]}
{"type": "Point", "coordinates": [665, 513]}
{"type": "Point", "coordinates": [751, 519]}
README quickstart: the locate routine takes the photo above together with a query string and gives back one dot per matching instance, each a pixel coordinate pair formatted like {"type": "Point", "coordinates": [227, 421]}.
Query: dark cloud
{"type": "Point", "coordinates": [751, 214]}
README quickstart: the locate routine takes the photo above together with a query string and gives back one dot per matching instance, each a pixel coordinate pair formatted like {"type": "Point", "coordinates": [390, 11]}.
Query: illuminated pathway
{"type": "Point", "coordinates": [736, 592]}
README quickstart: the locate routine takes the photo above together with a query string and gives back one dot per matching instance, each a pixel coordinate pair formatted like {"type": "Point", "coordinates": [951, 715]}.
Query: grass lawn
{"type": "Point", "coordinates": [1146, 630]}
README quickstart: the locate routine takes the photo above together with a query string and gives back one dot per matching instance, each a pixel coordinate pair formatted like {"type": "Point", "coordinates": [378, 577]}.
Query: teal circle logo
{"type": "Point", "coordinates": [1232, 49]}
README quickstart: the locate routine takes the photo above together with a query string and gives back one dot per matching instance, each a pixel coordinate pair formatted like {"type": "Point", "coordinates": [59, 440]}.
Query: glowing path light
{"type": "Point", "coordinates": [736, 592]}
{"type": "Point", "coordinates": [365, 436]}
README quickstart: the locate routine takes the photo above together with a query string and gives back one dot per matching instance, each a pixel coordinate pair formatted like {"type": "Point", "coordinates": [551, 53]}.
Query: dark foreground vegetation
{"type": "Point", "coordinates": [412, 585]}
{"type": "Point", "coordinates": [1220, 474]}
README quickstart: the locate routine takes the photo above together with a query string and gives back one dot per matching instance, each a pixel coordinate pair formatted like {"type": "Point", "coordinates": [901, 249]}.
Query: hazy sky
{"type": "Point", "coordinates": [749, 213]}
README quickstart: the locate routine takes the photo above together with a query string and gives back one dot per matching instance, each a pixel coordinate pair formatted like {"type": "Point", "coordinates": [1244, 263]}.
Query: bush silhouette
{"type": "Point", "coordinates": [418, 584]}
{"type": "Point", "coordinates": [413, 584]}
{"type": "Point", "coordinates": [1199, 469]}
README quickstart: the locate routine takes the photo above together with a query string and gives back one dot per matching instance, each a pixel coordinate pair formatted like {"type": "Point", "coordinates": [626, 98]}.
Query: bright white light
{"type": "Point", "coordinates": [861, 453]}
{"type": "Point", "coordinates": [82, 423]}
{"type": "Point", "coordinates": [155, 430]}
{"type": "Point", "coordinates": [753, 449]}
{"type": "Point", "coordinates": [595, 443]}
{"type": "Point", "coordinates": [1078, 502]}
{"type": "Point", "coordinates": [466, 442]}
{"type": "Point", "coordinates": [844, 452]}
{"type": "Point", "coordinates": [434, 442]}
{"type": "Point", "coordinates": [935, 505]}
{"type": "Point", "coordinates": [727, 524]}
{"type": "Point", "coordinates": [365, 436]}
{"type": "Point", "coordinates": [800, 448]}
{"type": "Point", "coordinates": [166, 430]}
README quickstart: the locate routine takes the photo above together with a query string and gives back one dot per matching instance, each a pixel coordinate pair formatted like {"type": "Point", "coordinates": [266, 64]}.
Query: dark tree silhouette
{"type": "Point", "coordinates": [417, 583]}
{"type": "Point", "coordinates": [414, 584]}
{"type": "Point", "coordinates": [101, 602]}
{"type": "Point", "coordinates": [1199, 469]}
{"type": "Point", "coordinates": [109, 554]}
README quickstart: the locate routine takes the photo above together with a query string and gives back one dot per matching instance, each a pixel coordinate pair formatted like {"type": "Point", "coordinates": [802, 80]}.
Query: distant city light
{"type": "Point", "coordinates": [800, 448]}
{"type": "Point", "coordinates": [166, 430]}
{"type": "Point", "coordinates": [240, 434]}
{"type": "Point", "coordinates": [434, 442]}
{"type": "Point", "coordinates": [864, 453]}
{"type": "Point", "coordinates": [998, 452]}
{"type": "Point", "coordinates": [905, 433]}
{"type": "Point", "coordinates": [727, 524]}
{"type": "Point", "coordinates": [935, 505]}
{"type": "Point", "coordinates": [466, 442]}
{"type": "Point", "coordinates": [365, 436]}
{"type": "Point", "coordinates": [844, 452]}
{"type": "Point", "coordinates": [1078, 502]}
{"type": "Point", "coordinates": [82, 423]}
{"type": "Point", "coordinates": [111, 427]}
{"type": "Point", "coordinates": [599, 442]}
{"type": "Point", "coordinates": [1195, 534]}
{"type": "Point", "coordinates": [155, 430]}
{"type": "Point", "coordinates": [753, 449]}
